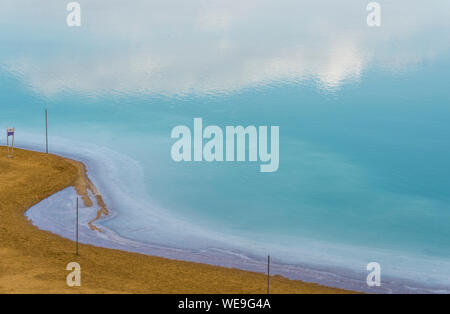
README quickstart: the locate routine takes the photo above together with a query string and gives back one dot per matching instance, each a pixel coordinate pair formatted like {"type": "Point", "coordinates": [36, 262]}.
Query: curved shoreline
{"type": "Point", "coordinates": [219, 254]}
{"type": "Point", "coordinates": [34, 260]}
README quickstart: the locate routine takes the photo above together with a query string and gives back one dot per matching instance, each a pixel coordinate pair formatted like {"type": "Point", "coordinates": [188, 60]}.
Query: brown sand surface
{"type": "Point", "coordinates": [34, 261]}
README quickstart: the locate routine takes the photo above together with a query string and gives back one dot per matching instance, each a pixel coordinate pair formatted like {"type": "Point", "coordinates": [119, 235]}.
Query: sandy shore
{"type": "Point", "coordinates": [34, 261]}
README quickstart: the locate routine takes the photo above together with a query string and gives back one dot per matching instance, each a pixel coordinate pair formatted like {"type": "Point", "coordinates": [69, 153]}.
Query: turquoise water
{"type": "Point", "coordinates": [363, 113]}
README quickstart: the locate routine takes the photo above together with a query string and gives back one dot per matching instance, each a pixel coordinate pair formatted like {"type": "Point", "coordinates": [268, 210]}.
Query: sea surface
{"type": "Point", "coordinates": [363, 112]}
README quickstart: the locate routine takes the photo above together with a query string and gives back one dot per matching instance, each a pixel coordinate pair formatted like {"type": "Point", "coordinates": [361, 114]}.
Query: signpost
{"type": "Point", "coordinates": [10, 148]}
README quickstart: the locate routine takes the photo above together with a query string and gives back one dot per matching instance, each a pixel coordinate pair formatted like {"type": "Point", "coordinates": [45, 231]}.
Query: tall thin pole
{"type": "Point", "coordinates": [268, 274]}
{"type": "Point", "coordinates": [46, 132]}
{"type": "Point", "coordinates": [77, 227]}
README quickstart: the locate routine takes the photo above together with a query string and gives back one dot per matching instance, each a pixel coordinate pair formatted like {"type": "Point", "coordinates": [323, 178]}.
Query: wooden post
{"type": "Point", "coordinates": [46, 132]}
{"type": "Point", "coordinates": [77, 227]}
{"type": "Point", "coordinates": [268, 274]}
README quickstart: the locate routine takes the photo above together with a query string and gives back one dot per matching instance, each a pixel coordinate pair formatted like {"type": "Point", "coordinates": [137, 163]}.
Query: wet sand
{"type": "Point", "coordinates": [34, 261]}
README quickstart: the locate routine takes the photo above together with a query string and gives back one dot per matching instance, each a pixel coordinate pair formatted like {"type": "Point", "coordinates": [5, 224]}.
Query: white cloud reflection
{"type": "Point", "coordinates": [178, 47]}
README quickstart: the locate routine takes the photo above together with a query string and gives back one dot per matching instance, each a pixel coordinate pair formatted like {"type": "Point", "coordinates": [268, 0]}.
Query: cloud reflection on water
{"type": "Point", "coordinates": [208, 47]}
